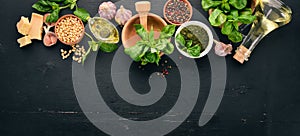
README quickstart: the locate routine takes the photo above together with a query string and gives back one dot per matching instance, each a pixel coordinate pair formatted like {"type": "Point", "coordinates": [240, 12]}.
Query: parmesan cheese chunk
{"type": "Point", "coordinates": [36, 29]}
{"type": "Point", "coordinates": [23, 26]}
{"type": "Point", "coordinates": [24, 41]}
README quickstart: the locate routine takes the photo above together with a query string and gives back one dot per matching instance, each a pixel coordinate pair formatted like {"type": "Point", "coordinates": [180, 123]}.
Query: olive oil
{"type": "Point", "coordinates": [103, 30]}
{"type": "Point", "coordinates": [270, 14]}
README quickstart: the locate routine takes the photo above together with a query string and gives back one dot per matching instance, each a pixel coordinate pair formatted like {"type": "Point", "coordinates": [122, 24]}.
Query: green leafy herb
{"type": "Point", "coordinates": [53, 17]}
{"type": "Point", "coordinates": [207, 4]}
{"type": "Point", "coordinates": [238, 4]}
{"type": "Point", "coordinates": [194, 50]}
{"type": "Point", "coordinates": [187, 45]}
{"type": "Point", "coordinates": [82, 14]}
{"type": "Point", "coordinates": [55, 6]}
{"type": "Point", "coordinates": [228, 14]}
{"type": "Point", "coordinates": [148, 49]}
{"type": "Point", "coordinates": [217, 17]}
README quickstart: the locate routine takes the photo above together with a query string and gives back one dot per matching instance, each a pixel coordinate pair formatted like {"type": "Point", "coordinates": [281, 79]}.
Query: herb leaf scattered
{"type": "Point", "coordinates": [148, 49]}
{"type": "Point", "coordinates": [55, 6]}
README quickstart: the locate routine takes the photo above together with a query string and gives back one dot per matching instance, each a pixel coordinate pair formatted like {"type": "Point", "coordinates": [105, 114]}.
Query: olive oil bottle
{"type": "Point", "coordinates": [103, 30]}
{"type": "Point", "coordinates": [270, 14]}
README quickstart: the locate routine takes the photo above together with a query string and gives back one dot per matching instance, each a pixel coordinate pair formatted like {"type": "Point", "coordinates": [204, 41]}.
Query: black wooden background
{"type": "Point", "coordinates": [262, 97]}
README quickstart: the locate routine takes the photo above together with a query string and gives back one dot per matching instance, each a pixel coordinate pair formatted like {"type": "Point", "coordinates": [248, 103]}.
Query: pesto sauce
{"type": "Point", "coordinates": [197, 34]}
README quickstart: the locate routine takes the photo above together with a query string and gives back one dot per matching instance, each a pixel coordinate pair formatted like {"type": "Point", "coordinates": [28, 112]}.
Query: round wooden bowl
{"type": "Point", "coordinates": [129, 36]}
{"type": "Point", "coordinates": [177, 24]}
{"type": "Point", "coordinates": [57, 29]}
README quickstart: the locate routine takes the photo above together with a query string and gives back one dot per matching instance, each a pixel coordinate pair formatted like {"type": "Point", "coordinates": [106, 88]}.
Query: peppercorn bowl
{"type": "Point", "coordinates": [194, 39]}
{"type": "Point", "coordinates": [177, 12]}
{"type": "Point", "coordinates": [69, 29]}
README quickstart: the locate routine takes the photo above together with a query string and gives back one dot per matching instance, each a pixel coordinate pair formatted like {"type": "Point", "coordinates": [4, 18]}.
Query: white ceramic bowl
{"type": "Point", "coordinates": [209, 33]}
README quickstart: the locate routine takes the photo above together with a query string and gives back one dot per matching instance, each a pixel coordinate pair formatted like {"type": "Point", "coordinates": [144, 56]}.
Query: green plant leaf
{"type": "Point", "coordinates": [42, 6]}
{"type": "Point", "coordinates": [246, 11]}
{"type": "Point", "coordinates": [234, 13]}
{"type": "Point", "coordinates": [53, 17]}
{"type": "Point", "coordinates": [189, 44]}
{"type": "Point", "coordinates": [225, 7]}
{"type": "Point", "coordinates": [180, 39]}
{"type": "Point", "coordinates": [217, 18]}
{"type": "Point", "coordinates": [236, 25]}
{"type": "Point", "coordinates": [83, 14]}
{"type": "Point", "coordinates": [246, 19]}
{"type": "Point", "coordinates": [141, 31]}
{"type": "Point", "coordinates": [235, 36]}
{"type": "Point", "coordinates": [56, 0]}
{"type": "Point", "coordinates": [136, 51]}
{"type": "Point", "coordinates": [194, 51]}
{"type": "Point", "coordinates": [227, 28]}
{"type": "Point", "coordinates": [207, 4]}
{"type": "Point", "coordinates": [107, 47]}
{"type": "Point", "coordinates": [238, 4]}
{"type": "Point", "coordinates": [167, 32]}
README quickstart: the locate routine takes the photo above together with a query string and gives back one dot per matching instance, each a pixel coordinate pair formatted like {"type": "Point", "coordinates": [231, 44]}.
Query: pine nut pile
{"type": "Point", "coordinates": [69, 29]}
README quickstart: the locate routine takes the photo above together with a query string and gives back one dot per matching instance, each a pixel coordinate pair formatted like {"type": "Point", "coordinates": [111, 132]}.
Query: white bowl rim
{"type": "Point", "coordinates": [209, 33]}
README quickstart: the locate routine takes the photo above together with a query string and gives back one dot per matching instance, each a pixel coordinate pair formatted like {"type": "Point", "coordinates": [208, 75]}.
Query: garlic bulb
{"type": "Point", "coordinates": [222, 49]}
{"type": "Point", "coordinates": [107, 10]}
{"type": "Point", "coordinates": [123, 15]}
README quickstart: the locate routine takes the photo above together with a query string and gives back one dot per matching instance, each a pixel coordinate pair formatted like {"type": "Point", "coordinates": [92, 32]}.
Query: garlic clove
{"type": "Point", "coordinates": [222, 49]}
{"type": "Point", "coordinates": [107, 10]}
{"type": "Point", "coordinates": [123, 15]}
{"type": "Point", "coordinates": [49, 39]}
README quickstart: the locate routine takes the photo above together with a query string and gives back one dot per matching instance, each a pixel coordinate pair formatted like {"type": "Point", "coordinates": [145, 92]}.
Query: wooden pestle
{"type": "Point", "coordinates": [143, 8]}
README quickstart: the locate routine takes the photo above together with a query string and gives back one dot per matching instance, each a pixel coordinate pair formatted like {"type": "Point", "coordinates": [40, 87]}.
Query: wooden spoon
{"type": "Point", "coordinates": [143, 8]}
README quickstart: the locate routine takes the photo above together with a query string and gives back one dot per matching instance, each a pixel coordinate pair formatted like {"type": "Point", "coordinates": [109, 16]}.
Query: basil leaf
{"type": "Point", "coordinates": [194, 51]}
{"type": "Point", "coordinates": [108, 47]}
{"type": "Point", "coordinates": [207, 4]}
{"type": "Point", "coordinates": [69, 1]}
{"type": "Point", "coordinates": [169, 48]}
{"type": "Point", "coordinates": [53, 5]}
{"type": "Point", "coordinates": [72, 6]}
{"type": "Point", "coordinates": [238, 4]}
{"type": "Point", "coordinates": [246, 11]}
{"type": "Point", "coordinates": [151, 35]}
{"type": "Point", "coordinates": [246, 19]}
{"type": "Point", "coordinates": [235, 36]}
{"type": "Point", "coordinates": [217, 17]}
{"type": "Point", "coordinates": [234, 13]}
{"type": "Point", "coordinates": [135, 51]}
{"type": "Point", "coordinates": [189, 44]}
{"type": "Point", "coordinates": [42, 6]}
{"type": "Point", "coordinates": [140, 30]}
{"type": "Point", "coordinates": [150, 57]}
{"type": "Point", "coordinates": [227, 28]}
{"type": "Point", "coordinates": [180, 39]}
{"type": "Point", "coordinates": [53, 17]}
{"type": "Point", "coordinates": [225, 6]}
{"type": "Point", "coordinates": [167, 32]}
{"type": "Point", "coordinates": [236, 25]}
{"type": "Point", "coordinates": [82, 14]}
{"type": "Point", "coordinates": [56, 0]}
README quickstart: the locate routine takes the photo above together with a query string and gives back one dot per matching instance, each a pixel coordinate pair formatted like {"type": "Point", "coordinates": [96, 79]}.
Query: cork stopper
{"type": "Point", "coordinates": [241, 54]}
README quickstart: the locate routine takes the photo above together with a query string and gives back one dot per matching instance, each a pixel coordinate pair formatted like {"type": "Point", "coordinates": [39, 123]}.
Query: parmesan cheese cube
{"type": "Point", "coordinates": [36, 29]}
{"type": "Point", "coordinates": [23, 26]}
{"type": "Point", "coordinates": [24, 41]}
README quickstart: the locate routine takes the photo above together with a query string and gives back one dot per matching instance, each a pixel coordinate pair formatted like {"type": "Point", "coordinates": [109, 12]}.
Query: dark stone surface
{"type": "Point", "coordinates": [262, 97]}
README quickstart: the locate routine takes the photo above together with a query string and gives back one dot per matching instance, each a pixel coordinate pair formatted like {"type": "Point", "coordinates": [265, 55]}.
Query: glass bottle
{"type": "Point", "coordinates": [270, 14]}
